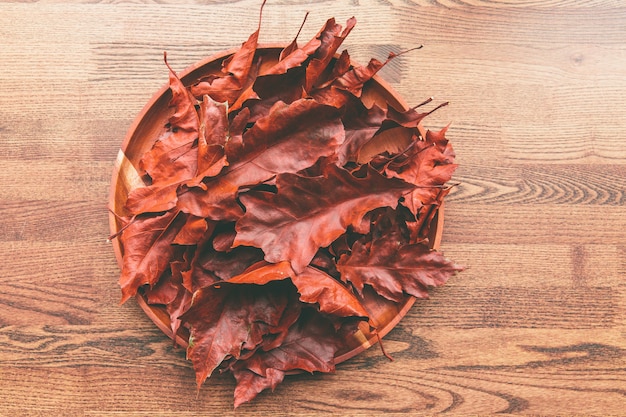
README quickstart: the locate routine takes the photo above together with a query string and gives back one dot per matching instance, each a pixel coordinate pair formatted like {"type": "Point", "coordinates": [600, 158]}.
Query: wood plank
{"type": "Point", "coordinates": [41, 222]}
{"type": "Point", "coordinates": [533, 266]}
{"type": "Point", "coordinates": [540, 184]}
{"type": "Point", "coordinates": [558, 224]}
{"type": "Point", "coordinates": [418, 380]}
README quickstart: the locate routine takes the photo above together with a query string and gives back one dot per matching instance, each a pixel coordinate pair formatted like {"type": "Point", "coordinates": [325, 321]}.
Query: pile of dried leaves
{"type": "Point", "coordinates": [262, 222]}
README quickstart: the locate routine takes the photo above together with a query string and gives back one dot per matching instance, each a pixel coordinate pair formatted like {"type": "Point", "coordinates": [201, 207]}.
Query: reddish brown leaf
{"type": "Point", "coordinates": [349, 84]}
{"type": "Point", "coordinates": [393, 267]}
{"type": "Point", "coordinates": [313, 285]}
{"type": "Point", "coordinates": [292, 137]}
{"type": "Point", "coordinates": [429, 165]}
{"type": "Point", "coordinates": [309, 213]}
{"type": "Point", "coordinates": [162, 196]}
{"type": "Point", "coordinates": [169, 292]}
{"type": "Point", "coordinates": [291, 57]}
{"type": "Point", "coordinates": [148, 250]}
{"type": "Point", "coordinates": [163, 292]}
{"type": "Point", "coordinates": [224, 265]}
{"type": "Point", "coordinates": [331, 38]}
{"type": "Point", "coordinates": [410, 117]}
{"type": "Point", "coordinates": [250, 384]}
{"type": "Point", "coordinates": [152, 199]}
{"type": "Point", "coordinates": [238, 72]}
{"type": "Point", "coordinates": [310, 346]}
{"type": "Point", "coordinates": [270, 89]}
{"type": "Point", "coordinates": [180, 304]}
{"type": "Point", "coordinates": [224, 237]}
{"type": "Point", "coordinates": [361, 124]}
{"type": "Point", "coordinates": [425, 215]}
{"type": "Point", "coordinates": [224, 318]}
{"type": "Point", "coordinates": [353, 80]}
{"type": "Point", "coordinates": [192, 231]}
{"type": "Point", "coordinates": [171, 157]}
{"type": "Point", "coordinates": [341, 66]}
{"type": "Point", "coordinates": [213, 134]}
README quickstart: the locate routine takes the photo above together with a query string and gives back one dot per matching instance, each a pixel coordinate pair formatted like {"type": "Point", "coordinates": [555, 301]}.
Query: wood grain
{"type": "Point", "coordinates": [536, 325]}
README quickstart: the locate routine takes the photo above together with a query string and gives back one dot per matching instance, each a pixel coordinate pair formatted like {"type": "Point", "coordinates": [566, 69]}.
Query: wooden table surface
{"type": "Point", "coordinates": [535, 325]}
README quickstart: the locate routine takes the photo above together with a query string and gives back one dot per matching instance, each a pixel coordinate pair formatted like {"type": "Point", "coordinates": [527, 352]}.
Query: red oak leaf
{"type": "Point", "coordinates": [342, 65]}
{"type": "Point", "coordinates": [152, 199]}
{"type": "Point", "coordinates": [310, 345]}
{"type": "Point", "coordinates": [349, 84]}
{"type": "Point", "coordinates": [313, 285]}
{"type": "Point", "coordinates": [148, 250]}
{"type": "Point", "coordinates": [292, 137]}
{"type": "Point", "coordinates": [171, 157]}
{"type": "Point", "coordinates": [309, 213]}
{"type": "Point", "coordinates": [361, 124]}
{"type": "Point", "coordinates": [290, 57]}
{"type": "Point", "coordinates": [429, 165]}
{"type": "Point", "coordinates": [223, 265]}
{"type": "Point", "coordinates": [238, 72]}
{"type": "Point", "coordinates": [250, 384]}
{"type": "Point", "coordinates": [331, 38]}
{"type": "Point", "coordinates": [270, 89]}
{"type": "Point", "coordinates": [213, 134]}
{"type": "Point", "coordinates": [163, 292]}
{"type": "Point", "coordinates": [224, 318]}
{"type": "Point", "coordinates": [394, 267]}
{"type": "Point", "coordinates": [170, 292]}
{"type": "Point", "coordinates": [192, 231]}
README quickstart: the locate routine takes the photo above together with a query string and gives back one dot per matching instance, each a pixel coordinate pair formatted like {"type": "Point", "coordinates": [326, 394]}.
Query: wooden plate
{"type": "Point", "coordinates": [150, 124]}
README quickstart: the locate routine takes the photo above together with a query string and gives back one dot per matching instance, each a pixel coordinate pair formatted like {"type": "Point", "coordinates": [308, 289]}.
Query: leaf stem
{"type": "Point", "coordinates": [119, 232]}
{"type": "Point", "coordinates": [382, 348]}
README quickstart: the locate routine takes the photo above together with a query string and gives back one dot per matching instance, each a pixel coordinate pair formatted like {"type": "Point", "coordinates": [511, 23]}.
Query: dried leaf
{"type": "Point", "coordinates": [313, 285]}
{"type": "Point", "coordinates": [392, 266]}
{"type": "Point", "coordinates": [292, 137]}
{"type": "Point", "coordinates": [310, 346]}
{"type": "Point", "coordinates": [429, 165]}
{"type": "Point", "coordinates": [238, 72]}
{"type": "Point", "coordinates": [225, 318]}
{"type": "Point", "coordinates": [171, 157]}
{"type": "Point", "coordinates": [309, 213]}
{"type": "Point", "coordinates": [148, 250]}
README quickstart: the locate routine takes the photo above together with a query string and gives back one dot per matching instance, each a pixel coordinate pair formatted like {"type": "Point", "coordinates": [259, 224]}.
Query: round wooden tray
{"type": "Point", "coordinates": [150, 124]}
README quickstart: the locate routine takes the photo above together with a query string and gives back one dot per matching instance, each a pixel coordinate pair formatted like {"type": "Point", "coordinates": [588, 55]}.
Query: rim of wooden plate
{"type": "Point", "coordinates": [125, 178]}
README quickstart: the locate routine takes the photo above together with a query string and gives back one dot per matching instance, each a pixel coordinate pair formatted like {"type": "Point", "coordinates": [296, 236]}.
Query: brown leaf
{"type": "Point", "coordinates": [213, 135]}
{"type": "Point", "coordinates": [314, 286]}
{"type": "Point", "coordinates": [225, 265]}
{"type": "Point", "coordinates": [223, 318]}
{"type": "Point", "coordinates": [238, 72]}
{"type": "Point", "coordinates": [192, 231]}
{"type": "Point", "coordinates": [361, 124]}
{"type": "Point", "coordinates": [429, 165]}
{"type": "Point", "coordinates": [349, 84]}
{"type": "Point", "coordinates": [171, 157]}
{"type": "Point", "coordinates": [331, 38]}
{"type": "Point", "coordinates": [148, 250]}
{"type": "Point", "coordinates": [250, 384]}
{"type": "Point", "coordinates": [310, 345]}
{"type": "Point", "coordinates": [152, 199]}
{"type": "Point", "coordinates": [394, 267]}
{"type": "Point", "coordinates": [292, 137]}
{"type": "Point", "coordinates": [309, 213]}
